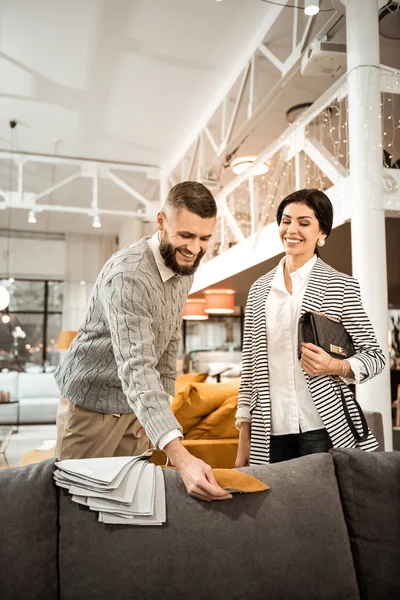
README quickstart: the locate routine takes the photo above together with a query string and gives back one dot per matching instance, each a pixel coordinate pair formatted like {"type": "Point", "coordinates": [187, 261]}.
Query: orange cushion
{"type": "Point", "coordinates": [216, 453]}
{"type": "Point", "coordinates": [185, 378]}
{"type": "Point", "coordinates": [218, 424]}
{"type": "Point", "coordinates": [197, 400]}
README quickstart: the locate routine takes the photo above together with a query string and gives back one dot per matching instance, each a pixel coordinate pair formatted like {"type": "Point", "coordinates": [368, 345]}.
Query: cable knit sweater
{"type": "Point", "coordinates": [124, 357]}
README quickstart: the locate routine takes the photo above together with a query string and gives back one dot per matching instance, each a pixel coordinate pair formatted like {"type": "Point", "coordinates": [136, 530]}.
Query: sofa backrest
{"type": "Point", "coordinates": [9, 383]}
{"type": "Point", "coordinates": [369, 484]}
{"type": "Point", "coordinates": [288, 542]}
{"type": "Point", "coordinates": [28, 533]}
{"type": "Point", "coordinates": [37, 385]}
{"type": "Point", "coordinates": [215, 360]}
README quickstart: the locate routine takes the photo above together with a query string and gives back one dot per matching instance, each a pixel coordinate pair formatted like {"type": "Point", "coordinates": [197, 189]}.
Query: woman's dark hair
{"type": "Point", "coordinates": [319, 204]}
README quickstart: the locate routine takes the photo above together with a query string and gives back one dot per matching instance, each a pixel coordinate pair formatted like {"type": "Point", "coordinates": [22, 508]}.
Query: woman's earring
{"type": "Point", "coordinates": [321, 243]}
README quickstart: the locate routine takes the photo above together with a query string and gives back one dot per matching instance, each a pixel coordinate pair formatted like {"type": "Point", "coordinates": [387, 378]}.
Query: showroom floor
{"type": "Point", "coordinates": [28, 438]}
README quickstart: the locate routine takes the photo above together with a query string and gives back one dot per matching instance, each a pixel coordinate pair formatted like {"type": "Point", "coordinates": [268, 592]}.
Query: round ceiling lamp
{"type": "Point", "coordinates": [311, 7]}
{"type": "Point", "coordinates": [389, 20]}
{"type": "Point", "coordinates": [295, 111]}
{"type": "Point", "coordinates": [194, 310]}
{"type": "Point", "coordinates": [4, 297]}
{"type": "Point", "coordinates": [219, 302]}
{"type": "Point", "coordinates": [242, 163]}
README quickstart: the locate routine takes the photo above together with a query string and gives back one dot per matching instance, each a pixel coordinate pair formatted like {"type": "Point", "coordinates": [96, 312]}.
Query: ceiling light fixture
{"type": "Point", "coordinates": [96, 221]}
{"type": "Point", "coordinates": [311, 7]}
{"type": "Point", "coordinates": [219, 302]}
{"type": "Point", "coordinates": [32, 217]}
{"type": "Point", "coordinates": [6, 318]}
{"type": "Point", "coordinates": [242, 163]}
{"type": "Point", "coordinates": [194, 310]}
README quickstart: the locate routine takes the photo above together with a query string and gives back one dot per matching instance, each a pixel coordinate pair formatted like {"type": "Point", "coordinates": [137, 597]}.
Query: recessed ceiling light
{"type": "Point", "coordinates": [32, 217]}
{"type": "Point", "coordinates": [96, 221]}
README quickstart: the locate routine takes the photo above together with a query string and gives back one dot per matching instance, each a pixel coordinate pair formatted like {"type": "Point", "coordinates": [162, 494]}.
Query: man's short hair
{"type": "Point", "coordinates": [193, 196]}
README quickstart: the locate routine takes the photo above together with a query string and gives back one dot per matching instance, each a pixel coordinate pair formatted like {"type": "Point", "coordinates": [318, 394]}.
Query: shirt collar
{"type": "Point", "coordinates": [165, 272]}
{"type": "Point", "coordinates": [306, 269]}
{"type": "Point", "coordinates": [298, 276]}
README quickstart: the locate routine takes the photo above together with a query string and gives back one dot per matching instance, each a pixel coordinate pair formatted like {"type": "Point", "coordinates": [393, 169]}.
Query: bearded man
{"type": "Point", "coordinates": [117, 379]}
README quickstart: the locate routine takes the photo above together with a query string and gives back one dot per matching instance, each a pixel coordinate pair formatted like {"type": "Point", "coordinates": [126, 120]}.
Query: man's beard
{"type": "Point", "coordinates": [168, 253]}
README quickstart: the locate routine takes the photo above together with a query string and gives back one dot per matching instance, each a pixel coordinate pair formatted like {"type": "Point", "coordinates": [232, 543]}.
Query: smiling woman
{"type": "Point", "coordinates": [289, 407]}
{"type": "Point", "coordinates": [305, 221]}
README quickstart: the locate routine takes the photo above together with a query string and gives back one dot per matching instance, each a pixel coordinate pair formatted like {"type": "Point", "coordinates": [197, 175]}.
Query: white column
{"type": "Point", "coordinates": [300, 169]}
{"type": "Point", "coordinates": [367, 213]}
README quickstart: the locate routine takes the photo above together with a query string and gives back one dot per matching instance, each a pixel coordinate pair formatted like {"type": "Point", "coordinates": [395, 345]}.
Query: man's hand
{"type": "Point", "coordinates": [197, 476]}
{"type": "Point", "coordinates": [141, 433]}
{"type": "Point", "coordinates": [316, 362]}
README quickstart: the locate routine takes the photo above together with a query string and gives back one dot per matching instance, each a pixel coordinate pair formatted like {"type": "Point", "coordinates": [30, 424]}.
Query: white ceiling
{"type": "Point", "coordinates": [120, 80]}
{"type": "Point", "coordinates": [123, 80]}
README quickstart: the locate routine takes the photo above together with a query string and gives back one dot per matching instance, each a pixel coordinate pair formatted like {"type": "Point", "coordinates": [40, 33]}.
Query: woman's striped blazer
{"type": "Point", "coordinates": [337, 295]}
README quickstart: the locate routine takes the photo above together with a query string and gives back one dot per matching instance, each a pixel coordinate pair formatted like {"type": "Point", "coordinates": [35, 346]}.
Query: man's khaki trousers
{"type": "Point", "coordinates": [83, 433]}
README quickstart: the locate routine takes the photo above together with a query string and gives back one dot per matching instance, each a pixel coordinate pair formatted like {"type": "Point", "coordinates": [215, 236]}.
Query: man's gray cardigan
{"type": "Point", "coordinates": [123, 359]}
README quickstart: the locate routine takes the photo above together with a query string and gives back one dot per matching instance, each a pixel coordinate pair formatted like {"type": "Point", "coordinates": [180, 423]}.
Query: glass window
{"type": "Point", "coordinates": [55, 296]}
{"type": "Point", "coordinates": [54, 325]}
{"type": "Point", "coordinates": [26, 295]}
{"type": "Point", "coordinates": [29, 327]}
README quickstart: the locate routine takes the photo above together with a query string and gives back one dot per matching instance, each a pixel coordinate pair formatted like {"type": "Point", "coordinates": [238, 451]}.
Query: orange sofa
{"type": "Point", "coordinates": [206, 412]}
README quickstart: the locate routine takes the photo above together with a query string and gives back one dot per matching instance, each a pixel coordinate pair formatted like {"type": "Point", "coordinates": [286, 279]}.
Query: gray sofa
{"type": "Point", "coordinates": [328, 529]}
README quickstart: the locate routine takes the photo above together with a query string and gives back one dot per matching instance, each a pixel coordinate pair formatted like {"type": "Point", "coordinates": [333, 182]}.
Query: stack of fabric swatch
{"type": "Point", "coordinates": [125, 490]}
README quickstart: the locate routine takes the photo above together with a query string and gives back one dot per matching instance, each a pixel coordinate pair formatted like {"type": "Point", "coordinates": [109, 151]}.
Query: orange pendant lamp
{"type": "Point", "coordinates": [219, 302]}
{"type": "Point", "coordinates": [194, 310]}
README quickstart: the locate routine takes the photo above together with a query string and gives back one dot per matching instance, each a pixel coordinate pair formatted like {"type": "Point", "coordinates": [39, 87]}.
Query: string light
{"type": "Point", "coordinates": [330, 129]}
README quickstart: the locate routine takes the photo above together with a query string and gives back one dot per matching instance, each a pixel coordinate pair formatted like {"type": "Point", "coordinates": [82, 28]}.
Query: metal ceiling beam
{"type": "Point", "coordinates": [57, 186]}
{"type": "Point", "coordinates": [265, 25]}
{"type": "Point", "coordinates": [271, 57]}
{"type": "Point", "coordinates": [330, 166]}
{"type": "Point", "coordinates": [289, 68]}
{"type": "Point", "coordinates": [69, 209]}
{"type": "Point", "coordinates": [152, 171]}
{"type": "Point", "coordinates": [151, 209]}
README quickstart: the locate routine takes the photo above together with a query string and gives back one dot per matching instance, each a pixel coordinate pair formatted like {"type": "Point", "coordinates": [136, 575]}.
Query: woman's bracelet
{"type": "Point", "coordinates": [327, 366]}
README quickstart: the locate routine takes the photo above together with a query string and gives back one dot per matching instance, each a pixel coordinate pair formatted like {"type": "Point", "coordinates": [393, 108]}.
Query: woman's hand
{"type": "Point", "coordinates": [243, 453]}
{"type": "Point", "coordinates": [316, 362]}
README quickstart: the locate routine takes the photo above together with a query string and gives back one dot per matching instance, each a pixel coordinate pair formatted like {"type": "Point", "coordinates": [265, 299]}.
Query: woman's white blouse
{"type": "Point", "coordinates": [292, 408]}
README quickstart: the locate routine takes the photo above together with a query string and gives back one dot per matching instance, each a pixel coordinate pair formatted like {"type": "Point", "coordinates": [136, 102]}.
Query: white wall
{"type": "Point", "coordinates": [133, 230]}
{"type": "Point", "coordinates": [77, 260]}
{"type": "Point", "coordinates": [33, 258]}
{"type": "Point", "coordinates": [85, 257]}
